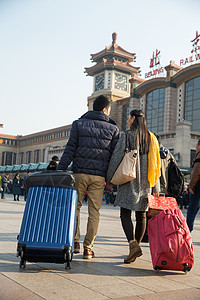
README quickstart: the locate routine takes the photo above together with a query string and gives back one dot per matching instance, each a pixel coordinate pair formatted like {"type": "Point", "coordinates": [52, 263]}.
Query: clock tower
{"type": "Point", "coordinates": [111, 72]}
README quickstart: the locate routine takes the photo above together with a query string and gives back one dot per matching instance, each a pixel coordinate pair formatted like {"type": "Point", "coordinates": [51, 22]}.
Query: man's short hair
{"type": "Point", "coordinates": [101, 102]}
{"type": "Point", "coordinates": [198, 143]}
{"type": "Point", "coordinates": [55, 158]}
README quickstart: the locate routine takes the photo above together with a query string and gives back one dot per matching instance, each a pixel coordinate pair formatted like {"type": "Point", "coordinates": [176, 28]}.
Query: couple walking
{"type": "Point", "coordinates": [96, 150]}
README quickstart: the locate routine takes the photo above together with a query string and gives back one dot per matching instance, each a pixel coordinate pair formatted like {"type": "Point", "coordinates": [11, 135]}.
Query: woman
{"type": "Point", "coordinates": [134, 194]}
{"type": "Point", "coordinates": [17, 187]}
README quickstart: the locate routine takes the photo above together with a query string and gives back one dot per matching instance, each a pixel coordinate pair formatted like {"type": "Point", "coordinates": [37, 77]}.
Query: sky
{"type": "Point", "coordinates": [46, 44]}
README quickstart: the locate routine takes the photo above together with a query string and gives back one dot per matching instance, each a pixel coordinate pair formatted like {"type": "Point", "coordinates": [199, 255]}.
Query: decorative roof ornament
{"type": "Point", "coordinates": [112, 57]}
{"type": "Point", "coordinates": [114, 39]}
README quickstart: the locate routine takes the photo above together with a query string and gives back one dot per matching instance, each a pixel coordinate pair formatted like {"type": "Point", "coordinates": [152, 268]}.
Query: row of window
{"type": "Point", "coordinates": [10, 142]}
{"type": "Point", "coordinates": [47, 137]}
{"type": "Point", "coordinates": [31, 156]}
{"type": "Point", "coordinates": [192, 103]}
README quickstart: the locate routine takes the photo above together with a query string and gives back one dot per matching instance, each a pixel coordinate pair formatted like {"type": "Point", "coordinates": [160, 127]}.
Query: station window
{"type": "Point", "coordinates": [192, 103]}
{"type": "Point", "coordinates": [155, 105]}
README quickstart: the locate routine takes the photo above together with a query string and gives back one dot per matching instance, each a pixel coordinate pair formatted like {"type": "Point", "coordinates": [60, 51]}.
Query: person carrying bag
{"type": "Point", "coordinates": [133, 195]}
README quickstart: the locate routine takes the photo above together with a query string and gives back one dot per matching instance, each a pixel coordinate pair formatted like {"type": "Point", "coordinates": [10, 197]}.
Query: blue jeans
{"type": "Point", "coordinates": [193, 208]}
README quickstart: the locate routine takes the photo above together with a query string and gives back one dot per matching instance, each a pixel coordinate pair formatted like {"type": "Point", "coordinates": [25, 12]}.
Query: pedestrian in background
{"type": "Point", "coordinates": [133, 195]}
{"type": "Point", "coordinates": [53, 163]}
{"type": "Point", "coordinates": [4, 184]}
{"type": "Point", "coordinates": [24, 179]}
{"type": "Point", "coordinates": [17, 191]}
{"type": "Point", "coordinates": [194, 189]}
{"type": "Point", "coordinates": [92, 140]}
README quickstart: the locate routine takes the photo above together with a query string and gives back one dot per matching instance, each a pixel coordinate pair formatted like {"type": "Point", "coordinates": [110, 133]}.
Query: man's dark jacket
{"type": "Point", "coordinates": [92, 140]}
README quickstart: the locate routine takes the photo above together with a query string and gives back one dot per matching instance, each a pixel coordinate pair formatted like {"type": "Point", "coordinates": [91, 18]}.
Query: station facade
{"type": "Point", "coordinates": [169, 96]}
{"type": "Point", "coordinates": [33, 148]}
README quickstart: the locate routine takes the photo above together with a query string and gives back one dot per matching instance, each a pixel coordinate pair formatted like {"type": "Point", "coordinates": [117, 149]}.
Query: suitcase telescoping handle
{"type": "Point", "coordinates": [162, 194]}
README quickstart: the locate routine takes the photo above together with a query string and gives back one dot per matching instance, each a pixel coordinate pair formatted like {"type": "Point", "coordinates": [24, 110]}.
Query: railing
{"type": "Point", "coordinates": [23, 168]}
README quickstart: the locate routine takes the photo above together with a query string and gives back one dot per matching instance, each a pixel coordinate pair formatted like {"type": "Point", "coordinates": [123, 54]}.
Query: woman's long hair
{"type": "Point", "coordinates": [140, 127]}
{"type": "Point", "coordinates": [16, 175]}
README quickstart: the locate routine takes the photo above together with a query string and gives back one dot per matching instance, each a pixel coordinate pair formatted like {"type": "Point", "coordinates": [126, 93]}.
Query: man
{"type": "Point", "coordinates": [52, 166]}
{"type": "Point", "coordinates": [53, 163]}
{"type": "Point", "coordinates": [194, 189]}
{"type": "Point", "coordinates": [4, 183]}
{"type": "Point", "coordinates": [92, 140]}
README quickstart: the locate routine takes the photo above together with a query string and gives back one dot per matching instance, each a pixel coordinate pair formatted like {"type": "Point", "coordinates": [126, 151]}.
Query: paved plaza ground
{"type": "Point", "coordinates": [103, 277]}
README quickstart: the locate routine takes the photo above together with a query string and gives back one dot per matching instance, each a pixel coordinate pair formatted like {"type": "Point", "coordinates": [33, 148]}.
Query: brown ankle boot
{"type": "Point", "coordinates": [135, 251]}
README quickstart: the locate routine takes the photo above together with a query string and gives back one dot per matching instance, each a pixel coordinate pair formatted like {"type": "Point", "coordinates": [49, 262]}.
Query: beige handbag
{"type": "Point", "coordinates": [126, 171]}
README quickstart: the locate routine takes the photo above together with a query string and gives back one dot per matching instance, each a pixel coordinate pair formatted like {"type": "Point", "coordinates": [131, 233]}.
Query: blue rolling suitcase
{"type": "Point", "coordinates": [47, 229]}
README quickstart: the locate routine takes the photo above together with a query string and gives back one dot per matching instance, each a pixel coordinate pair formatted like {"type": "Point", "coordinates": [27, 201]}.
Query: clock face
{"type": "Point", "coordinates": [120, 82]}
{"type": "Point", "coordinates": [99, 84]}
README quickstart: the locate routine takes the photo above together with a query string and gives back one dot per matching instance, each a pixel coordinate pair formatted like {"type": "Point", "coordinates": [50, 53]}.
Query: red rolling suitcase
{"type": "Point", "coordinates": [48, 224]}
{"type": "Point", "coordinates": [170, 241]}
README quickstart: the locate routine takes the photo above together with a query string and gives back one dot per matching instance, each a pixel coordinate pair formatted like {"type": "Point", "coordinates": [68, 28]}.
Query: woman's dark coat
{"type": "Point", "coordinates": [17, 186]}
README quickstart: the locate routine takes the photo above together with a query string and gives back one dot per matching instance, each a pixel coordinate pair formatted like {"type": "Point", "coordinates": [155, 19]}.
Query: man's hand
{"type": "Point", "coordinates": [110, 186]}
{"type": "Point", "coordinates": [191, 191]}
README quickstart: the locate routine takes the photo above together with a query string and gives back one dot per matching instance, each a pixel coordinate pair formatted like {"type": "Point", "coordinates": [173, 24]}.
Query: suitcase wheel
{"type": "Point", "coordinates": [67, 257]}
{"type": "Point", "coordinates": [186, 268]}
{"type": "Point", "coordinates": [22, 263]}
{"type": "Point", "coordinates": [68, 265]}
{"type": "Point", "coordinates": [157, 269]}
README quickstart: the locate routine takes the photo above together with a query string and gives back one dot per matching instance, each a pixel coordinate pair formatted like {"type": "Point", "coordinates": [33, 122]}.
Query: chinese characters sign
{"type": "Point", "coordinates": [195, 51]}
{"type": "Point", "coordinates": [155, 65]}
{"type": "Point", "coordinates": [155, 60]}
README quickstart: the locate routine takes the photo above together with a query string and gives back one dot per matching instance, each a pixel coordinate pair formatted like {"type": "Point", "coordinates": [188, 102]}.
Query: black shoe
{"type": "Point", "coordinates": [145, 239]}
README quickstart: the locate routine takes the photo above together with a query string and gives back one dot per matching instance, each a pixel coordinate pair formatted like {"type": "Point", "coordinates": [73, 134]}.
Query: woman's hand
{"type": "Point", "coordinates": [156, 194]}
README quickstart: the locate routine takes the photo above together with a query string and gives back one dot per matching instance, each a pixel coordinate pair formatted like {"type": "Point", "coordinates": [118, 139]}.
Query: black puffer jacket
{"type": "Point", "coordinates": [92, 140]}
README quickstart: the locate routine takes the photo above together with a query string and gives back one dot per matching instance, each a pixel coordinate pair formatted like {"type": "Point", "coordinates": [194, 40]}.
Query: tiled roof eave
{"type": "Point", "coordinates": [111, 66]}
{"type": "Point", "coordinates": [116, 51]}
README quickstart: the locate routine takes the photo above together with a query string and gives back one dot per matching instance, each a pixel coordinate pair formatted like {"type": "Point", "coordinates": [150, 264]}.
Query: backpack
{"type": "Point", "coordinates": [175, 180]}
{"type": "Point", "coordinates": [197, 186]}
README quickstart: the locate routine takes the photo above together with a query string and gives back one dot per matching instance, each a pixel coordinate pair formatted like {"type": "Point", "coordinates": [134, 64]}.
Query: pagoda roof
{"type": "Point", "coordinates": [113, 50]}
{"type": "Point", "coordinates": [111, 64]}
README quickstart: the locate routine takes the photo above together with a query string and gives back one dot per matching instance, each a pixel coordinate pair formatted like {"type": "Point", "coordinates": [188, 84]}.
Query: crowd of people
{"type": "Point", "coordinates": [15, 186]}
{"type": "Point", "coordinates": [96, 149]}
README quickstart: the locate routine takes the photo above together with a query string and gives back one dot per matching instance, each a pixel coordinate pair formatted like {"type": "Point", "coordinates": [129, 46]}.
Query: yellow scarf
{"type": "Point", "coordinates": [154, 164]}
